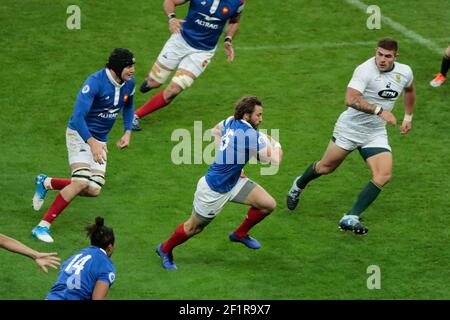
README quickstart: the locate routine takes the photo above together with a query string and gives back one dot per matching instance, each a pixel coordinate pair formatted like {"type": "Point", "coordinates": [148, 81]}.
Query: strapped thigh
{"type": "Point", "coordinates": [82, 174]}
{"type": "Point", "coordinates": [159, 74]}
{"type": "Point", "coordinates": [97, 180]}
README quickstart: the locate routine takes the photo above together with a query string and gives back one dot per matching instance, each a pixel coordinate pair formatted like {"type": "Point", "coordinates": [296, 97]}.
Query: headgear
{"type": "Point", "coordinates": [119, 59]}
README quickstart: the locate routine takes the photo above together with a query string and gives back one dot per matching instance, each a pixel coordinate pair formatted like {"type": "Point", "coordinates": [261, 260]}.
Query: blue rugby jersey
{"type": "Point", "coordinates": [98, 104]}
{"type": "Point", "coordinates": [78, 275]}
{"type": "Point", "coordinates": [206, 19]}
{"type": "Point", "coordinates": [240, 141]}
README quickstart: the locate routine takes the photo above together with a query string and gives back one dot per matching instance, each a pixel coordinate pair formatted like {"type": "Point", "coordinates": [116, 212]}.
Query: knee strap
{"type": "Point", "coordinates": [97, 181]}
{"type": "Point", "coordinates": [159, 74]}
{"type": "Point", "coordinates": [183, 80]}
{"type": "Point", "coordinates": [81, 174]}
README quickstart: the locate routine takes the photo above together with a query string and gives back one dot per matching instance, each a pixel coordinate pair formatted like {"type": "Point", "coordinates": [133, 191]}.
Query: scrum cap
{"type": "Point", "coordinates": [119, 59]}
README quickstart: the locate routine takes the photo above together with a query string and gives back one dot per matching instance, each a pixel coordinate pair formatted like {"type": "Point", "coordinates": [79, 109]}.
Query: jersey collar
{"type": "Point", "coordinates": [246, 123]}
{"type": "Point", "coordinates": [111, 79]}
{"type": "Point", "coordinates": [102, 250]}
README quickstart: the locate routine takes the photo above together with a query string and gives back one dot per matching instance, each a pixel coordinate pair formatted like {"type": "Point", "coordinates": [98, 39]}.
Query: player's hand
{"type": "Point", "coordinates": [229, 50]}
{"type": "Point", "coordinates": [124, 141]}
{"type": "Point", "coordinates": [406, 126]}
{"type": "Point", "coordinates": [175, 25]}
{"type": "Point", "coordinates": [388, 117]}
{"type": "Point", "coordinates": [277, 151]}
{"type": "Point", "coordinates": [45, 260]}
{"type": "Point", "coordinates": [98, 150]}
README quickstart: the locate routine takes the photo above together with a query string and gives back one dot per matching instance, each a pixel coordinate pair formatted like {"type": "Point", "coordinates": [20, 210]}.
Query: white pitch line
{"type": "Point", "coordinates": [307, 45]}
{"type": "Point", "coordinates": [401, 28]}
{"type": "Point", "coordinates": [320, 45]}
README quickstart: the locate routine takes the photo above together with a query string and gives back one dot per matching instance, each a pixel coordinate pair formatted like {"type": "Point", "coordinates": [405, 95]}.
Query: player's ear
{"type": "Point", "coordinates": [110, 249]}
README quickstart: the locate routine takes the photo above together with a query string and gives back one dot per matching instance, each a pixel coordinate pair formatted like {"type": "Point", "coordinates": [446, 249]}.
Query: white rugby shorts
{"type": "Point", "coordinates": [208, 203]}
{"type": "Point", "coordinates": [177, 53]}
{"type": "Point", "coordinates": [349, 144]}
{"type": "Point", "coordinates": [80, 151]}
{"type": "Point", "coordinates": [351, 140]}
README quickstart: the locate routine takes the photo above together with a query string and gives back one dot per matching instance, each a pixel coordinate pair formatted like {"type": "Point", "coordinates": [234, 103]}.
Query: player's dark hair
{"type": "Point", "coordinates": [119, 59]}
{"type": "Point", "coordinates": [388, 44]}
{"type": "Point", "coordinates": [246, 105]}
{"type": "Point", "coordinates": [101, 236]}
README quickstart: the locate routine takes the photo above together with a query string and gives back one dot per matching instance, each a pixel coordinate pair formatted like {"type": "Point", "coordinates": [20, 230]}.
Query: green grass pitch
{"type": "Point", "coordinates": [298, 56]}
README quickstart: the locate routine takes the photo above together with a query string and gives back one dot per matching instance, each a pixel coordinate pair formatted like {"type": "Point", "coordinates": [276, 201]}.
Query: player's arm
{"type": "Point", "coordinates": [355, 100]}
{"type": "Point", "coordinates": [409, 98]}
{"type": "Point", "coordinates": [169, 9]}
{"type": "Point", "coordinates": [273, 142]}
{"type": "Point", "coordinates": [271, 152]}
{"type": "Point", "coordinates": [83, 104]}
{"type": "Point", "coordinates": [43, 260]}
{"type": "Point", "coordinates": [217, 132]}
{"type": "Point", "coordinates": [230, 31]}
{"type": "Point", "coordinates": [100, 290]}
{"type": "Point", "coordinates": [128, 113]}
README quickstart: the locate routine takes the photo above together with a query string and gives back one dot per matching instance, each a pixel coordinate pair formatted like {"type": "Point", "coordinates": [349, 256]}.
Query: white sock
{"type": "Point", "coordinates": [48, 183]}
{"type": "Point", "coordinates": [44, 223]}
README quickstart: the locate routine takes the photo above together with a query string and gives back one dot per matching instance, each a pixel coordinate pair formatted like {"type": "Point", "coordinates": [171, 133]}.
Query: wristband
{"type": "Point", "coordinates": [171, 16]}
{"type": "Point", "coordinates": [408, 117]}
{"type": "Point", "coordinates": [378, 110]}
{"type": "Point", "coordinates": [228, 39]}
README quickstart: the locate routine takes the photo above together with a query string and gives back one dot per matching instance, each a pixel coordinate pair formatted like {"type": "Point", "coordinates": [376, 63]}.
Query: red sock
{"type": "Point", "coordinates": [152, 105]}
{"type": "Point", "coordinates": [178, 237]}
{"type": "Point", "coordinates": [58, 183]}
{"type": "Point", "coordinates": [55, 209]}
{"type": "Point", "coordinates": [253, 217]}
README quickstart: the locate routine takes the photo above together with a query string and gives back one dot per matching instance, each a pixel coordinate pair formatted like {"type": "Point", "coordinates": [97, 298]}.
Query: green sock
{"type": "Point", "coordinates": [307, 176]}
{"type": "Point", "coordinates": [365, 198]}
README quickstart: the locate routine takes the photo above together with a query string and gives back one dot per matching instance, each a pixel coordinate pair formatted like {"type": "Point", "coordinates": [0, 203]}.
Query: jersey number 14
{"type": "Point", "coordinates": [74, 268]}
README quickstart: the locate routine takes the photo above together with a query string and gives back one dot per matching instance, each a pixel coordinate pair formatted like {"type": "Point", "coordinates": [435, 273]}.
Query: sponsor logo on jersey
{"type": "Point", "coordinates": [86, 89]}
{"type": "Point", "coordinates": [225, 10]}
{"type": "Point", "coordinates": [109, 114]}
{"type": "Point", "coordinates": [209, 18]}
{"type": "Point", "coordinates": [388, 94]}
{"type": "Point", "coordinates": [114, 110]}
{"type": "Point", "coordinates": [207, 24]}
